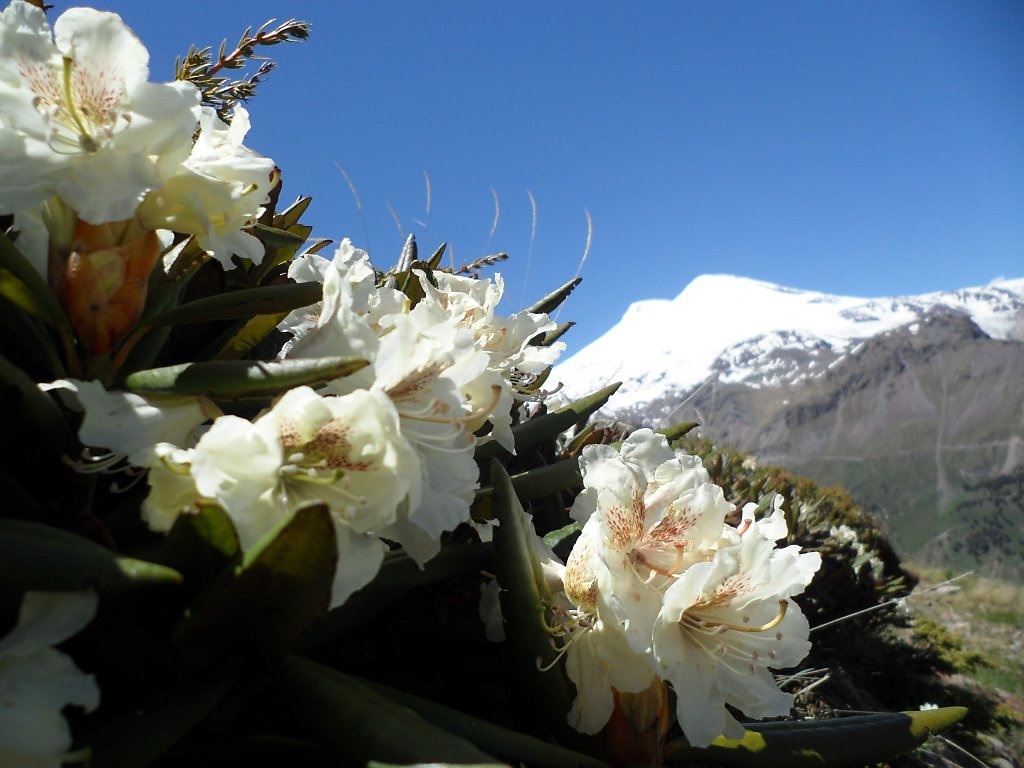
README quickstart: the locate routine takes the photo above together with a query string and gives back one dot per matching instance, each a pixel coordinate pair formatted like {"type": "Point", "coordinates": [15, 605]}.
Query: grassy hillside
{"type": "Point", "coordinates": [986, 617]}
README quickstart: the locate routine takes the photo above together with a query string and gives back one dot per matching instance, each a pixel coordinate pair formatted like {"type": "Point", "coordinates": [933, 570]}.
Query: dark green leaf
{"type": "Point", "coordinates": [842, 742]}
{"type": "Point", "coordinates": [235, 379]}
{"type": "Point", "coordinates": [249, 335]}
{"type": "Point", "coordinates": [501, 742]}
{"type": "Point", "coordinates": [138, 738]}
{"type": "Point", "coordinates": [291, 215]}
{"type": "Point", "coordinates": [201, 544]}
{"type": "Point", "coordinates": [22, 285]}
{"type": "Point", "coordinates": [676, 431]}
{"type": "Point", "coordinates": [37, 556]}
{"type": "Point", "coordinates": [525, 603]}
{"type": "Point", "coordinates": [30, 416]}
{"type": "Point", "coordinates": [554, 335]}
{"type": "Point", "coordinates": [435, 258]}
{"type": "Point", "coordinates": [543, 480]}
{"type": "Point", "coordinates": [264, 300]}
{"type": "Point", "coordinates": [547, 426]}
{"type": "Point", "coordinates": [277, 238]}
{"type": "Point", "coordinates": [357, 724]}
{"type": "Point", "coordinates": [27, 343]}
{"type": "Point", "coordinates": [550, 302]}
{"type": "Point", "coordinates": [398, 575]}
{"type": "Point", "coordinates": [283, 585]}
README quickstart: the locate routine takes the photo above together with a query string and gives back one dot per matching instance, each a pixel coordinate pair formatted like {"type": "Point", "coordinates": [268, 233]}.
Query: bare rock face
{"type": "Point", "coordinates": [922, 421]}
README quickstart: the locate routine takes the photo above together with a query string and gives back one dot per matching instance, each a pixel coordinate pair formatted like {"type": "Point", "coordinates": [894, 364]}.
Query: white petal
{"type": "Point", "coordinates": [359, 559]}
{"type": "Point", "coordinates": [46, 619]}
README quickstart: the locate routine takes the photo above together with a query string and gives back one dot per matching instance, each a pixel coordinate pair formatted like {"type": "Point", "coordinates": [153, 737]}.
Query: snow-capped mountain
{"type": "Point", "coordinates": [915, 404]}
{"type": "Point", "coordinates": [735, 329]}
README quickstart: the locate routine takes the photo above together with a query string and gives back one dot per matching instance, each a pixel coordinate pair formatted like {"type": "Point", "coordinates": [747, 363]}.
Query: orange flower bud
{"type": "Point", "coordinates": [104, 283]}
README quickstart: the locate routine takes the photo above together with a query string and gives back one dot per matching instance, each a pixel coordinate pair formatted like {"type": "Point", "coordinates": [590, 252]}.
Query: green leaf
{"type": "Point", "coordinates": [554, 335]}
{"type": "Point", "coordinates": [398, 575]}
{"type": "Point", "coordinates": [277, 238]}
{"type": "Point", "coordinates": [550, 302]}
{"type": "Point", "coordinates": [235, 379]}
{"type": "Point", "coordinates": [283, 585]}
{"type": "Point", "coordinates": [137, 739]}
{"type": "Point", "coordinates": [30, 416]}
{"type": "Point", "coordinates": [834, 742]}
{"type": "Point", "coordinates": [677, 431]}
{"type": "Point", "coordinates": [201, 544]}
{"type": "Point", "coordinates": [22, 285]}
{"type": "Point", "coordinates": [28, 344]}
{"type": "Point", "coordinates": [525, 602]}
{"type": "Point", "coordinates": [549, 425]}
{"type": "Point", "coordinates": [249, 335]}
{"type": "Point", "coordinates": [290, 216]}
{"type": "Point", "coordinates": [356, 724]}
{"type": "Point", "coordinates": [543, 480]}
{"type": "Point", "coordinates": [37, 556]}
{"type": "Point", "coordinates": [264, 300]}
{"type": "Point", "coordinates": [435, 258]}
{"type": "Point", "coordinates": [517, 748]}
{"type": "Point", "coordinates": [557, 536]}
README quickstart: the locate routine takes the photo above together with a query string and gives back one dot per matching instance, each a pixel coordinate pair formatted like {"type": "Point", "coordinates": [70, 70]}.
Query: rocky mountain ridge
{"type": "Point", "coordinates": [913, 404]}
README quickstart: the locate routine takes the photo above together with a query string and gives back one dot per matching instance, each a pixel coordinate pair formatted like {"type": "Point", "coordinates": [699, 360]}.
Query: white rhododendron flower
{"type": "Point", "coordinates": [663, 579]}
{"type": "Point", "coordinates": [724, 622]}
{"type": "Point", "coordinates": [344, 451]}
{"type": "Point", "coordinates": [472, 303]}
{"type": "Point", "coordinates": [598, 655]}
{"type": "Point", "coordinates": [422, 366]}
{"type": "Point", "coordinates": [219, 190]}
{"type": "Point", "coordinates": [424, 362]}
{"type": "Point", "coordinates": [78, 117]}
{"type": "Point", "coordinates": [37, 681]}
{"type": "Point", "coordinates": [132, 425]}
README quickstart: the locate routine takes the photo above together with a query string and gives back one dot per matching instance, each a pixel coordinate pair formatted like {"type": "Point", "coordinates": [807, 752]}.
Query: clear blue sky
{"type": "Point", "coordinates": [865, 148]}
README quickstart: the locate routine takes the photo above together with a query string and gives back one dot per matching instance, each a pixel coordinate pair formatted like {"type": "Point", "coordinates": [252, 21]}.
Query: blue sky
{"type": "Point", "coordinates": [864, 148]}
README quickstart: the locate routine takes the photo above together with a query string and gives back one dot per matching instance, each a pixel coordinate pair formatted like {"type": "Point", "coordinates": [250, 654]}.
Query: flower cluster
{"type": "Point", "coordinates": [369, 416]}
{"type": "Point", "coordinates": [100, 165]}
{"type": "Point", "coordinates": [663, 587]}
{"type": "Point", "coordinates": [388, 449]}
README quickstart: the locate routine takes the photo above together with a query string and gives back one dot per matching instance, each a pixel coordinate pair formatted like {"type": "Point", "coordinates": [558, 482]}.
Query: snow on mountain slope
{"type": "Point", "coordinates": [756, 332]}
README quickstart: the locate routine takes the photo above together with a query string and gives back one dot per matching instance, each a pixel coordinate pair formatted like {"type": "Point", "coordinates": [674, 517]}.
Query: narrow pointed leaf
{"type": "Point", "coordinates": [27, 343]}
{"type": "Point", "coordinates": [284, 585]}
{"type": "Point", "coordinates": [30, 416]}
{"type": "Point", "coordinates": [398, 576]}
{"type": "Point", "coordinates": [255, 330]}
{"type": "Point", "coordinates": [501, 742]}
{"type": "Point", "coordinates": [550, 302]}
{"type": "Point", "coordinates": [546, 427]}
{"type": "Point", "coordinates": [138, 738]}
{"type": "Point", "coordinates": [277, 238]}
{"type": "Point", "coordinates": [291, 215]}
{"type": "Point", "coordinates": [357, 724]}
{"type": "Point", "coordinates": [676, 431]}
{"type": "Point", "coordinates": [554, 335]}
{"type": "Point", "coordinates": [557, 536]}
{"type": "Point", "coordinates": [435, 258]}
{"type": "Point", "coordinates": [264, 300]}
{"type": "Point", "coordinates": [22, 285]}
{"type": "Point", "coordinates": [525, 601]}
{"type": "Point", "coordinates": [543, 480]}
{"type": "Point", "coordinates": [234, 379]}
{"type": "Point", "coordinates": [201, 544]}
{"type": "Point", "coordinates": [38, 556]}
{"type": "Point", "coordinates": [843, 742]}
